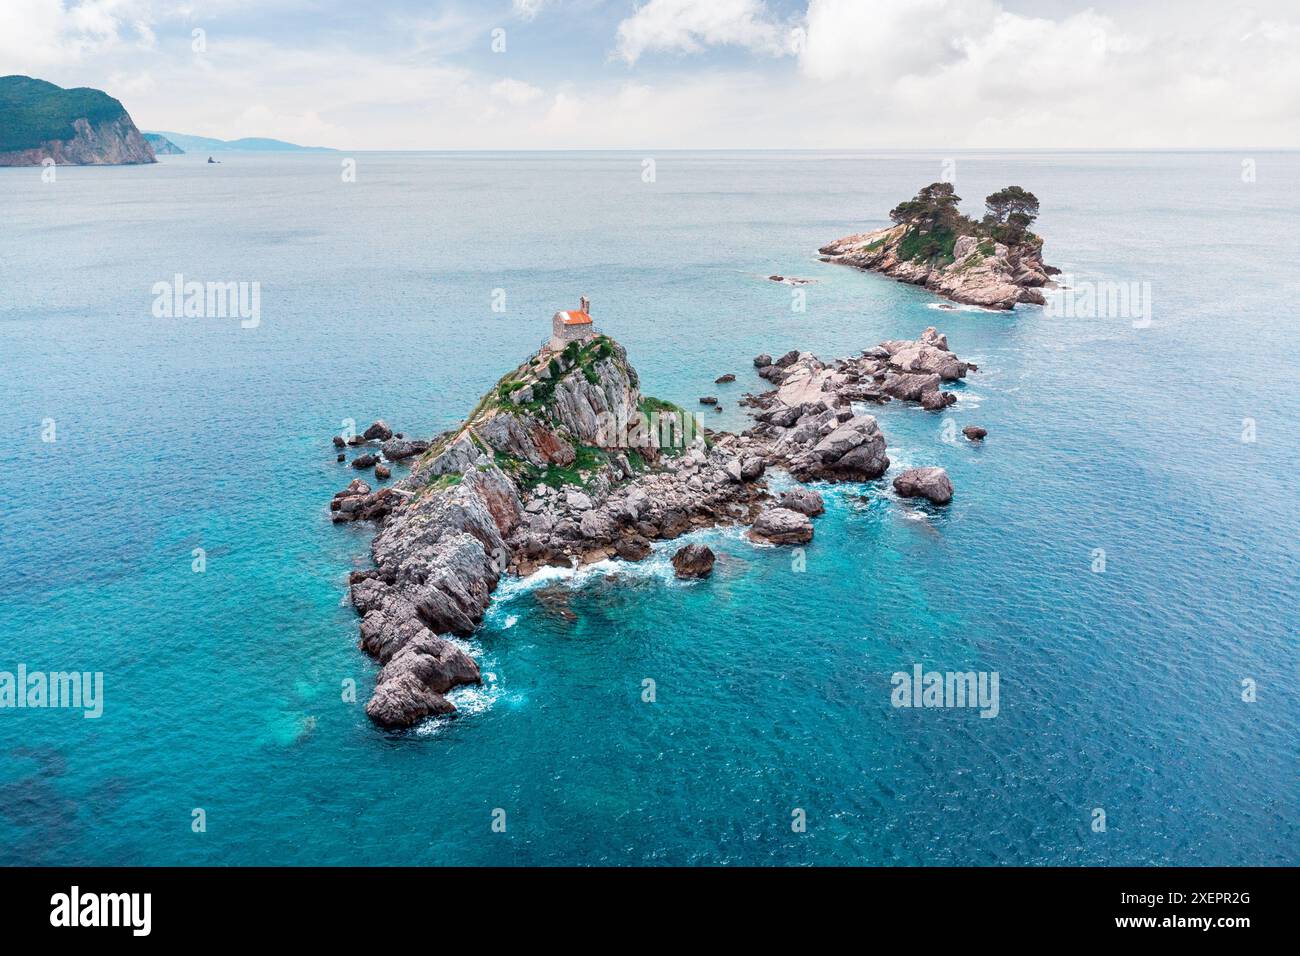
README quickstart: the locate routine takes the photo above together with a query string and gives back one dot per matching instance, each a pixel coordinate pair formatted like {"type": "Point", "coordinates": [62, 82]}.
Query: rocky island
{"type": "Point", "coordinates": [46, 123]}
{"type": "Point", "coordinates": [995, 262]}
{"type": "Point", "coordinates": [565, 462]}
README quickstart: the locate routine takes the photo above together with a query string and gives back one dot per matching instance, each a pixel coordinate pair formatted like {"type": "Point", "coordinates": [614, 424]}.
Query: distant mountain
{"type": "Point", "coordinates": [162, 146]}
{"type": "Point", "coordinates": [82, 127]}
{"type": "Point", "coordinates": [205, 144]}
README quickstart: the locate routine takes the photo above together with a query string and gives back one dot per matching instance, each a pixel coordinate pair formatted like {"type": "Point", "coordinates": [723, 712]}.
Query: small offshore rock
{"type": "Point", "coordinates": [378, 431]}
{"type": "Point", "coordinates": [364, 461]}
{"type": "Point", "coordinates": [974, 432]}
{"type": "Point", "coordinates": [709, 400]}
{"type": "Point", "coordinates": [339, 441]}
{"type": "Point", "coordinates": [782, 526]}
{"type": "Point", "coordinates": [693, 561]}
{"type": "Point", "coordinates": [721, 379]}
{"type": "Point", "coordinates": [930, 483]}
{"type": "Point", "coordinates": [760, 361]}
{"type": "Point", "coordinates": [382, 472]}
{"type": "Point", "coordinates": [341, 457]}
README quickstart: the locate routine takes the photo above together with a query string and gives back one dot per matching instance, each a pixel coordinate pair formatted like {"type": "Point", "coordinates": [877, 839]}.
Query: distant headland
{"type": "Point", "coordinates": [994, 262]}
{"type": "Point", "coordinates": [206, 144]}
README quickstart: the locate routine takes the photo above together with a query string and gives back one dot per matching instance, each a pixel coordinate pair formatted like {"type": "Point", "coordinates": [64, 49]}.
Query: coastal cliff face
{"type": "Point", "coordinates": [564, 462]}
{"type": "Point", "coordinates": [83, 127]}
{"type": "Point", "coordinates": [995, 263]}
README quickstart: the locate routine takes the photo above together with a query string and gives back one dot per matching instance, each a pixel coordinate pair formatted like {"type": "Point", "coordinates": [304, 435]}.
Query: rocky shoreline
{"type": "Point", "coordinates": [565, 462]}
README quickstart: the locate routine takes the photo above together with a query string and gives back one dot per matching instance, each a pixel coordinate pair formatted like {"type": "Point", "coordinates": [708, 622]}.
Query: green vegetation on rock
{"type": "Point", "coordinates": [935, 222]}
{"type": "Point", "coordinates": [37, 112]}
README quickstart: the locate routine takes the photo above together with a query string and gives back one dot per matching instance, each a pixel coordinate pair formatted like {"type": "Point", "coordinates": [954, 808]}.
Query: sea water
{"type": "Point", "coordinates": [1121, 550]}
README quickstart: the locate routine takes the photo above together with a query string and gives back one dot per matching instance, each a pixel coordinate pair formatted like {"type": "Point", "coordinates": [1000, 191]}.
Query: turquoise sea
{"type": "Point", "coordinates": [1120, 691]}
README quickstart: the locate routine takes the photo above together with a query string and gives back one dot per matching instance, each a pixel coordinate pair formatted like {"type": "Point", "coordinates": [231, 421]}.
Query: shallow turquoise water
{"type": "Point", "coordinates": [1118, 690]}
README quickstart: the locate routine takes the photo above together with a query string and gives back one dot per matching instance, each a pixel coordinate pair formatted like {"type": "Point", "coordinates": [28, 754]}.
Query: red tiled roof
{"type": "Point", "coordinates": [576, 318]}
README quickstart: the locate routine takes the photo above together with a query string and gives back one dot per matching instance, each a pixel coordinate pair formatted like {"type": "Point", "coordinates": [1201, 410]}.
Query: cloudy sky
{"type": "Point", "coordinates": [540, 74]}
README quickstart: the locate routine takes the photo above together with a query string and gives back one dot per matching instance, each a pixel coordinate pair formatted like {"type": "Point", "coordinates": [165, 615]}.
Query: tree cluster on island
{"type": "Point", "coordinates": [938, 222]}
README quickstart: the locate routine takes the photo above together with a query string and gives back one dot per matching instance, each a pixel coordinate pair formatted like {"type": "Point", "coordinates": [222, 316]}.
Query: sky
{"type": "Point", "coordinates": [778, 74]}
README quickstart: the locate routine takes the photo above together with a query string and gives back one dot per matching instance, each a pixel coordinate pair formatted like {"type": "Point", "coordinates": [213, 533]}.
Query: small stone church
{"type": "Point", "coordinates": [572, 326]}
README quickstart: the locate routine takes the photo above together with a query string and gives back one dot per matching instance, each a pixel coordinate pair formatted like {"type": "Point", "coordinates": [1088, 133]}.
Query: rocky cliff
{"type": "Point", "coordinates": [565, 462]}
{"type": "Point", "coordinates": [41, 122]}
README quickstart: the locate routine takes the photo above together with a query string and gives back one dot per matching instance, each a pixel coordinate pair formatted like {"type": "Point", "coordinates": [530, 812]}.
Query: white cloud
{"type": "Point", "coordinates": [36, 33]}
{"type": "Point", "coordinates": [689, 26]}
{"type": "Point", "coordinates": [515, 92]}
{"type": "Point", "coordinates": [889, 73]}
{"type": "Point", "coordinates": [528, 9]}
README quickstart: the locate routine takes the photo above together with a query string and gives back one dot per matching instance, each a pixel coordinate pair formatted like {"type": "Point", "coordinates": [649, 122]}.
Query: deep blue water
{"type": "Point", "coordinates": [1119, 691]}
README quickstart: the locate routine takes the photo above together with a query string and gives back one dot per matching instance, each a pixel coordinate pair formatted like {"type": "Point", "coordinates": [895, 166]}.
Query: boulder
{"type": "Point", "coordinates": [339, 442]}
{"type": "Point", "coordinates": [974, 432]}
{"type": "Point", "coordinates": [378, 431]}
{"type": "Point", "coordinates": [853, 451]}
{"type": "Point", "coordinates": [355, 487]}
{"type": "Point", "coordinates": [930, 483]}
{"type": "Point", "coordinates": [632, 548]}
{"type": "Point", "coordinates": [693, 561]}
{"type": "Point", "coordinates": [782, 526]}
{"type": "Point", "coordinates": [935, 400]}
{"type": "Point", "coordinates": [762, 361]}
{"type": "Point", "coordinates": [752, 468]}
{"type": "Point", "coordinates": [910, 386]}
{"type": "Point", "coordinates": [788, 359]}
{"type": "Point", "coordinates": [364, 461]}
{"type": "Point", "coordinates": [383, 472]}
{"type": "Point", "coordinates": [399, 449]}
{"type": "Point", "coordinates": [803, 500]}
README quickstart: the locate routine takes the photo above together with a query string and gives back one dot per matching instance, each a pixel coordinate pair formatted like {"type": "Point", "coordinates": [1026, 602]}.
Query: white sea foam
{"type": "Point", "coordinates": [470, 700]}
{"type": "Point", "coordinates": [955, 307]}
